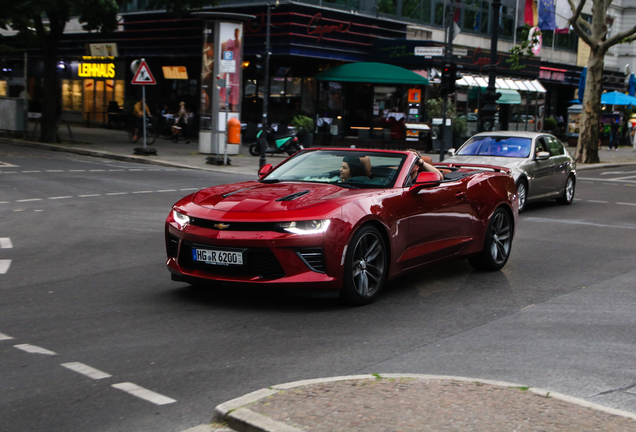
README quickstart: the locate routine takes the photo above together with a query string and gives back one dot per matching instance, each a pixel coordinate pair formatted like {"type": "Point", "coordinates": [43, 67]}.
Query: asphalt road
{"type": "Point", "coordinates": [95, 337]}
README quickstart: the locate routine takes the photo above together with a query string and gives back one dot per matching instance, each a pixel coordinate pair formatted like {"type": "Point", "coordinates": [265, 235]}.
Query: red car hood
{"type": "Point", "coordinates": [263, 197]}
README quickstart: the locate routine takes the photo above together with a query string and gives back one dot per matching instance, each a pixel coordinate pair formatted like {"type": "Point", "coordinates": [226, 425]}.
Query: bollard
{"type": "Point", "coordinates": [233, 131]}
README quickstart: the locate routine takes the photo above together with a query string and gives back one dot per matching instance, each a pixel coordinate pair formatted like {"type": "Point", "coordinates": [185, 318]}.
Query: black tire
{"type": "Point", "coordinates": [255, 149]}
{"type": "Point", "coordinates": [497, 244]}
{"type": "Point", "coordinates": [522, 193]}
{"type": "Point", "coordinates": [366, 266]}
{"type": "Point", "coordinates": [151, 135]}
{"type": "Point", "coordinates": [568, 193]}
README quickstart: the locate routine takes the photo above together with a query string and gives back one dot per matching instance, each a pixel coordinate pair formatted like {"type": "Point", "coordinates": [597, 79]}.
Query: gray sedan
{"type": "Point", "coordinates": [541, 166]}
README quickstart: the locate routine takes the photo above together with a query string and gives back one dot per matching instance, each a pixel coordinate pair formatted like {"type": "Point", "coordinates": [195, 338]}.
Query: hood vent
{"type": "Point", "coordinates": [237, 191]}
{"type": "Point", "coordinates": [293, 196]}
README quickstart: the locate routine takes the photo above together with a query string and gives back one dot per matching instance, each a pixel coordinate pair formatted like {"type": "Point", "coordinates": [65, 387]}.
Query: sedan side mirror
{"type": "Point", "coordinates": [425, 180]}
{"type": "Point", "coordinates": [451, 152]}
{"type": "Point", "coordinates": [543, 155]}
{"type": "Point", "coordinates": [265, 169]}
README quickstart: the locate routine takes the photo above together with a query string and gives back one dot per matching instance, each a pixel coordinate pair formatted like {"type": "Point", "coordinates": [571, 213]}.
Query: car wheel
{"type": "Point", "coordinates": [568, 193]}
{"type": "Point", "coordinates": [255, 149]}
{"type": "Point", "coordinates": [497, 244]}
{"type": "Point", "coordinates": [365, 267]}
{"type": "Point", "coordinates": [522, 192]}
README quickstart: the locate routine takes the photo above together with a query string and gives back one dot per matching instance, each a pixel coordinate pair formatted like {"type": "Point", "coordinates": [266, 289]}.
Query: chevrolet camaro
{"type": "Point", "coordinates": [342, 221]}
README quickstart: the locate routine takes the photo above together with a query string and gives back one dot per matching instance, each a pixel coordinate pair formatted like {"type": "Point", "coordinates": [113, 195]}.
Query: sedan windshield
{"type": "Point", "coordinates": [513, 147]}
{"type": "Point", "coordinates": [350, 169]}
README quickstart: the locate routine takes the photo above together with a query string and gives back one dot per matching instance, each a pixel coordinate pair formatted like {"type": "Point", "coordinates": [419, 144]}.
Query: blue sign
{"type": "Point", "coordinates": [228, 55]}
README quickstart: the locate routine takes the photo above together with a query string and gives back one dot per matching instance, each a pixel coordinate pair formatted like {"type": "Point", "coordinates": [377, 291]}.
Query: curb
{"type": "Point", "coordinates": [238, 416]}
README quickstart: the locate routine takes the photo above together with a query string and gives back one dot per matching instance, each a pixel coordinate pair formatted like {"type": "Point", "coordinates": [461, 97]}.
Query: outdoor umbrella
{"type": "Point", "coordinates": [617, 98]}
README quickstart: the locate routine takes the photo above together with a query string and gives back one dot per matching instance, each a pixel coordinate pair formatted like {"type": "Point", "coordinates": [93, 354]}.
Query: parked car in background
{"type": "Point", "coordinates": [342, 221]}
{"type": "Point", "coordinates": [541, 165]}
{"type": "Point", "coordinates": [522, 119]}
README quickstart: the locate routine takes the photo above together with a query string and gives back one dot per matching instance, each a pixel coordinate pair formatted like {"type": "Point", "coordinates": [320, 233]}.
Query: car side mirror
{"type": "Point", "coordinates": [265, 169]}
{"type": "Point", "coordinates": [451, 152]}
{"type": "Point", "coordinates": [425, 180]}
{"type": "Point", "coordinates": [543, 155]}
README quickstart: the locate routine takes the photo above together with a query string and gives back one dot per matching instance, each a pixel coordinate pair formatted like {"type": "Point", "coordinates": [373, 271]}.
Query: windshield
{"type": "Point", "coordinates": [513, 147]}
{"type": "Point", "coordinates": [351, 169]}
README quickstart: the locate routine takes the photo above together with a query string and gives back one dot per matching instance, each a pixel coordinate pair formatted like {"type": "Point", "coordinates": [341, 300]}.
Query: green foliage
{"type": "Point", "coordinates": [459, 123]}
{"type": "Point", "coordinates": [550, 124]}
{"type": "Point", "coordinates": [523, 50]}
{"type": "Point", "coordinates": [303, 123]}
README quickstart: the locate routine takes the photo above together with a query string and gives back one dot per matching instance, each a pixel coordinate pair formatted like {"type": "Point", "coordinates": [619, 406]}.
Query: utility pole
{"type": "Point", "coordinates": [448, 58]}
{"type": "Point", "coordinates": [487, 113]}
{"type": "Point", "coordinates": [262, 161]}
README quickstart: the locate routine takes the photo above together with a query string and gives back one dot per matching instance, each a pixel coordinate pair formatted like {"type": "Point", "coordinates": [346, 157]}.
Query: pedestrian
{"type": "Point", "coordinates": [181, 124]}
{"type": "Point", "coordinates": [614, 135]}
{"type": "Point", "coordinates": [138, 113]}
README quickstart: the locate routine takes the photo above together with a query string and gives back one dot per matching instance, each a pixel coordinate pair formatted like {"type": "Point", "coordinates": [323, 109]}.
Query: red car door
{"type": "Point", "coordinates": [438, 222]}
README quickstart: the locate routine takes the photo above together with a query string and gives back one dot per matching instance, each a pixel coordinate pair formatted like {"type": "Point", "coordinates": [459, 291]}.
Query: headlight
{"type": "Point", "coordinates": [181, 219]}
{"type": "Point", "coordinates": [304, 227]}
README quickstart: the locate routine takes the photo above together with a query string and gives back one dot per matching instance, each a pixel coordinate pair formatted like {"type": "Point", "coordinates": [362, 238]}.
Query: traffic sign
{"type": "Point", "coordinates": [143, 75]}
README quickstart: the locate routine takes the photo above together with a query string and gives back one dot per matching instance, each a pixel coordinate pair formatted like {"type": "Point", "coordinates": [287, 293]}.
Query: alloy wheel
{"type": "Point", "coordinates": [501, 235]}
{"type": "Point", "coordinates": [368, 265]}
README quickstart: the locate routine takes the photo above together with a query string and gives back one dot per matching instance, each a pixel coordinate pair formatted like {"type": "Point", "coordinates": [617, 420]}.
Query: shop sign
{"type": "Point", "coordinates": [552, 74]}
{"type": "Point", "coordinates": [415, 95]}
{"type": "Point", "coordinates": [96, 70]}
{"type": "Point", "coordinates": [320, 30]}
{"type": "Point", "coordinates": [175, 72]}
{"type": "Point", "coordinates": [481, 61]}
{"type": "Point", "coordinates": [429, 51]}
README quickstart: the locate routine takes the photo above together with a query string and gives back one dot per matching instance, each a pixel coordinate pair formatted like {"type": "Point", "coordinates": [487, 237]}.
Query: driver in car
{"type": "Point", "coordinates": [352, 167]}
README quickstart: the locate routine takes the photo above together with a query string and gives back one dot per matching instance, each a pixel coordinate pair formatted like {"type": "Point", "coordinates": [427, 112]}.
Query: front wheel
{"type": "Point", "coordinates": [365, 267]}
{"type": "Point", "coordinates": [497, 243]}
{"type": "Point", "coordinates": [255, 149]}
{"type": "Point", "coordinates": [151, 134]}
{"type": "Point", "coordinates": [568, 193]}
{"type": "Point", "coordinates": [522, 193]}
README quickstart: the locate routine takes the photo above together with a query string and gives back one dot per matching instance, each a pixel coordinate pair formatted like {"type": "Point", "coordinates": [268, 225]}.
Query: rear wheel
{"type": "Point", "coordinates": [255, 149]}
{"type": "Point", "coordinates": [568, 193]}
{"type": "Point", "coordinates": [497, 244]}
{"type": "Point", "coordinates": [365, 267]}
{"type": "Point", "coordinates": [522, 193]}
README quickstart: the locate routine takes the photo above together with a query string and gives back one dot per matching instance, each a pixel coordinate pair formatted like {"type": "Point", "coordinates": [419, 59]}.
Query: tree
{"type": "Point", "coordinates": [595, 35]}
{"type": "Point", "coordinates": [46, 20]}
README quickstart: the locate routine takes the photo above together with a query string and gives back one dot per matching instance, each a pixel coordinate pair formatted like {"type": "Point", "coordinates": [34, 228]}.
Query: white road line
{"type": "Point", "coordinates": [98, 170]}
{"type": "Point", "coordinates": [34, 349]}
{"type": "Point", "coordinates": [113, 170]}
{"type": "Point", "coordinates": [167, 190]}
{"type": "Point", "coordinates": [34, 171]}
{"type": "Point", "coordinates": [86, 370]}
{"type": "Point", "coordinates": [117, 193]}
{"type": "Point", "coordinates": [618, 172]}
{"type": "Point", "coordinates": [61, 197]}
{"type": "Point", "coordinates": [575, 222]}
{"type": "Point", "coordinates": [5, 337]}
{"type": "Point", "coordinates": [30, 199]}
{"type": "Point", "coordinates": [4, 266]}
{"type": "Point", "coordinates": [18, 210]}
{"type": "Point", "coordinates": [189, 189]}
{"type": "Point", "coordinates": [597, 201]}
{"type": "Point", "coordinates": [55, 171]}
{"type": "Point", "coordinates": [135, 169]}
{"type": "Point", "coordinates": [4, 202]}
{"type": "Point", "coordinates": [9, 172]}
{"type": "Point", "coordinates": [5, 243]}
{"type": "Point", "coordinates": [608, 180]}
{"type": "Point", "coordinates": [89, 195]}
{"type": "Point", "coordinates": [143, 393]}
{"type": "Point", "coordinates": [138, 192]}
{"type": "Point", "coordinates": [622, 203]}
{"type": "Point", "coordinates": [76, 170]}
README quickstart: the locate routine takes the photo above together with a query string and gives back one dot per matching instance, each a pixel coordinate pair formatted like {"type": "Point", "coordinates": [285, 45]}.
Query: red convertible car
{"type": "Point", "coordinates": [344, 220]}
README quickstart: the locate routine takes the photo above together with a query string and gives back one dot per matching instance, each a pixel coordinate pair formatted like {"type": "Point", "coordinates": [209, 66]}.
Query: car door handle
{"type": "Point", "coordinates": [460, 195]}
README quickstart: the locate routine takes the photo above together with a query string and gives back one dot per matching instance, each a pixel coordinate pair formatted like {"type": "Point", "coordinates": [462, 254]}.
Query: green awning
{"type": "Point", "coordinates": [375, 73]}
{"type": "Point", "coordinates": [508, 97]}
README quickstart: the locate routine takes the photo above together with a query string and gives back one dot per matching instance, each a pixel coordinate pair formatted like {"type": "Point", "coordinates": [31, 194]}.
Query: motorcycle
{"type": "Point", "coordinates": [276, 143]}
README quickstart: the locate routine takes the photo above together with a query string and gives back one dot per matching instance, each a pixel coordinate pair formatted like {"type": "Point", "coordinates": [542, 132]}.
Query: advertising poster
{"type": "Point", "coordinates": [230, 57]}
{"type": "Point", "coordinates": [207, 75]}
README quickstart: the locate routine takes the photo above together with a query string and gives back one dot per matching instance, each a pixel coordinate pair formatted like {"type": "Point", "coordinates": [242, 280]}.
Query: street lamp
{"type": "Point", "coordinates": [488, 111]}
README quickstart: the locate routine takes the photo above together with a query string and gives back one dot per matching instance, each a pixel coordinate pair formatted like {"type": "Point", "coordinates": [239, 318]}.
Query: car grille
{"type": "Point", "coordinates": [313, 258]}
{"type": "Point", "coordinates": [233, 226]}
{"type": "Point", "coordinates": [173, 246]}
{"type": "Point", "coordinates": [259, 262]}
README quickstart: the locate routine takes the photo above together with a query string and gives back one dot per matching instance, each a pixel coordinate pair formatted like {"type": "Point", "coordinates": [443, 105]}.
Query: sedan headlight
{"type": "Point", "coordinates": [304, 227]}
{"type": "Point", "coordinates": [181, 219]}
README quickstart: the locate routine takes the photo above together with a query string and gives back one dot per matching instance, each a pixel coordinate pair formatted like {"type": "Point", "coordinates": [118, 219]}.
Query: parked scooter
{"type": "Point", "coordinates": [285, 142]}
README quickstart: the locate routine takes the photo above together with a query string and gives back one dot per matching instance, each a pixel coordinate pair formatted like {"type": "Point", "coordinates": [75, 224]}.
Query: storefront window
{"type": "Point", "coordinates": [3, 89]}
{"type": "Point", "coordinates": [72, 95]}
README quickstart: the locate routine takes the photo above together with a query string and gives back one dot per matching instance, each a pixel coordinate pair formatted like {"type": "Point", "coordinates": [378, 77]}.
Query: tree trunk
{"type": "Point", "coordinates": [588, 145]}
{"type": "Point", "coordinates": [51, 98]}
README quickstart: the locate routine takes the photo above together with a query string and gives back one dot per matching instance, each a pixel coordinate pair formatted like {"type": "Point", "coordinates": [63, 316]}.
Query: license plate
{"type": "Point", "coordinates": [217, 257]}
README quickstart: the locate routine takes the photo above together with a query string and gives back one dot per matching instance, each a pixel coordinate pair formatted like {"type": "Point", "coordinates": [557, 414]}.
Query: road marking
{"type": "Point", "coordinates": [9, 172]}
{"type": "Point", "coordinates": [621, 203]}
{"type": "Point", "coordinates": [89, 195]}
{"type": "Point", "coordinates": [597, 201]}
{"type": "Point", "coordinates": [143, 393]}
{"type": "Point", "coordinates": [4, 202]}
{"type": "Point", "coordinates": [34, 171]}
{"type": "Point", "coordinates": [7, 164]}
{"type": "Point", "coordinates": [61, 197]}
{"type": "Point", "coordinates": [18, 210]}
{"type": "Point", "coordinates": [618, 172]}
{"type": "Point", "coordinates": [97, 170]}
{"type": "Point", "coordinates": [76, 170]}
{"type": "Point", "coordinates": [5, 337]}
{"type": "Point", "coordinates": [30, 199]}
{"type": "Point", "coordinates": [4, 266]}
{"type": "Point", "coordinates": [138, 192]}
{"type": "Point", "coordinates": [134, 169]}
{"type": "Point", "coordinates": [113, 170]}
{"type": "Point", "coordinates": [55, 171]}
{"type": "Point", "coordinates": [117, 193]}
{"type": "Point", "coordinates": [86, 370]}
{"type": "Point", "coordinates": [5, 243]}
{"type": "Point", "coordinates": [34, 349]}
{"type": "Point", "coordinates": [167, 190]}
{"type": "Point", "coordinates": [575, 222]}
{"type": "Point", "coordinates": [189, 189]}
{"type": "Point", "coordinates": [617, 180]}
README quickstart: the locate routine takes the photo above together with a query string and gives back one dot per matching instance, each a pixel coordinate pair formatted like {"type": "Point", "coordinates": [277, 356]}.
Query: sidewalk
{"type": "Point", "coordinates": [114, 144]}
{"type": "Point", "coordinates": [369, 403]}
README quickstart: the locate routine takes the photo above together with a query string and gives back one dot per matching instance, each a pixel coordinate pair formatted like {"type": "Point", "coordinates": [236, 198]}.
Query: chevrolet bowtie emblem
{"type": "Point", "coordinates": [221, 226]}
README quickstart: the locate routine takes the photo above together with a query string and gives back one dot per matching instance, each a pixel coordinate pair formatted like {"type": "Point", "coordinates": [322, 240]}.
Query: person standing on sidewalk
{"type": "Point", "coordinates": [613, 135]}
{"type": "Point", "coordinates": [181, 124]}
{"type": "Point", "coordinates": [138, 113]}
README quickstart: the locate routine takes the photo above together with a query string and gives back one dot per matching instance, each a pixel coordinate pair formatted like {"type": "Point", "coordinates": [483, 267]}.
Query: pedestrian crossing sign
{"type": "Point", "coordinates": [143, 75]}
